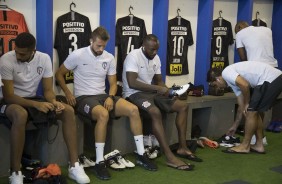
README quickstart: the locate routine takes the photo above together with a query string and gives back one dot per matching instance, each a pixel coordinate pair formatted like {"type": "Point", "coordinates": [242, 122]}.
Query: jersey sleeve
{"type": "Point", "coordinates": [6, 69]}
{"type": "Point", "coordinates": [23, 24]}
{"type": "Point", "coordinates": [48, 72]}
{"type": "Point", "coordinates": [130, 64]}
{"type": "Point", "coordinates": [118, 33]}
{"type": "Point", "coordinates": [190, 40]}
{"type": "Point", "coordinates": [239, 43]}
{"type": "Point", "coordinates": [113, 65]}
{"type": "Point", "coordinates": [70, 63]}
{"type": "Point", "coordinates": [230, 33]}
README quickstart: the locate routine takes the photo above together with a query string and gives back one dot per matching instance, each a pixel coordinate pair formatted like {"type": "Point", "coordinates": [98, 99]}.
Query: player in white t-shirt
{"type": "Point", "coordinates": [91, 66]}
{"type": "Point", "coordinates": [143, 86]}
{"type": "Point", "coordinates": [254, 43]}
{"type": "Point", "coordinates": [256, 85]}
{"type": "Point", "coordinates": [22, 70]}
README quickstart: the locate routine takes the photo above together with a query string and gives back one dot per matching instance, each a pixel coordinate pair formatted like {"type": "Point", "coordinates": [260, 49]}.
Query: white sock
{"type": "Point", "coordinates": [139, 144]}
{"type": "Point", "coordinates": [99, 152]}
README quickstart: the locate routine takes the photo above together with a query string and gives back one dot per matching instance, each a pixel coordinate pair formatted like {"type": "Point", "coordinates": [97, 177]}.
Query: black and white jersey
{"type": "Point", "coordinates": [179, 38]}
{"type": "Point", "coordinates": [222, 37]}
{"type": "Point", "coordinates": [73, 31]}
{"type": "Point", "coordinates": [258, 22]}
{"type": "Point", "coordinates": [130, 31]}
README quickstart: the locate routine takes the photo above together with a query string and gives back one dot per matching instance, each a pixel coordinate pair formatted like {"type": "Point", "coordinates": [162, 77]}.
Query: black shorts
{"type": "Point", "coordinates": [85, 104]}
{"type": "Point", "coordinates": [147, 100]}
{"type": "Point", "coordinates": [264, 96]}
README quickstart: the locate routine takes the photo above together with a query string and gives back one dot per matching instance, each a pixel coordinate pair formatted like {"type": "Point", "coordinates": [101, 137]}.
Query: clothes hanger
{"type": "Point", "coordinates": [220, 12]}
{"type": "Point", "coordinates": [257, 13]}
{"type": "Point", "coordinates": [4, 6]}
{"type": "Point", "coordinates": [72, 4]}
{"type": "Point", "coordinates": [178, 10]}
{"type": "Point", "coordinates": [129, 9]}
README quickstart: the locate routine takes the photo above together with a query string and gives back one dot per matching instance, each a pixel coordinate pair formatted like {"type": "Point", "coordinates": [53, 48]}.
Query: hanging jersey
{"type": "Point", "coordinates": [179, 38]}
{"type": "Point", "coordinates": [258, 22]}
{"type": "Point", "coordinates": [73, 31]}
{"type": "Point", "coordinates": [130, 32]}
{"type": "Point", "coordinates": [12, 23]}
{"type": "Point", "coordinates": [222, 37]}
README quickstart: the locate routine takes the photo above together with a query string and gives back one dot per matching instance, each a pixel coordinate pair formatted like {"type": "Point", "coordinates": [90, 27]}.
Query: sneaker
{"type": "Point", "coordinates": [101, 171]}
{"type": "Point", "coordinates": [178, 90]}
{"type": "Point", "coordinates": [115, 165]}
{"type": "Point", "coordinates": [144, 161]}
{"type": "Point", "coordinates": [253, 140]}
{"type": "Point", "coordinates": [86, 162]}
{"type": "Point", "coordinates": [78, 174]}
{"type": "Point", "coordinates": [125, 162]}
{"type": "Point", "coordinates": [150, 152]}
{"type": "Point", "coordinates": [228, 141]}
{"type": "Point", "coordinates": [16, 178]}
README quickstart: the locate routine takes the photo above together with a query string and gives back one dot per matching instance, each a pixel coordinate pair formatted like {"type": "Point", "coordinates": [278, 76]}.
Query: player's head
{"type": "Point", "coordinates": [99, 39]}
{"type": "Point", "coordinates": [150, 46]}
{"type": "Point", "coordinates": [214, 77]}
{"type": "Point", "coordinates": [25, 47]}
{"type": "Point", "coordinates": [241, 25]}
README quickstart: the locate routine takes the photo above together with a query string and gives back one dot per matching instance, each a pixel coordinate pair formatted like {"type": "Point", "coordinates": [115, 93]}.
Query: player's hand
{"type": "Point", "coordinates": [162, 90]}
{"type": "Point", "coordinates": [71, 99]}
{"type": "Point", "coordinates": [109, 104]}
{"type": "Point", "coordinates": [44, 106]}
{"type": "Point", "coordinates": [245, 111]}
{"type": "Point", "coordinates": [59, 107]}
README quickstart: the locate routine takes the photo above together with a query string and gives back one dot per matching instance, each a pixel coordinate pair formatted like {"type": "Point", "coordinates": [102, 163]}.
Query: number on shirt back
{"type": "Point", "coordinates": [178, 44]}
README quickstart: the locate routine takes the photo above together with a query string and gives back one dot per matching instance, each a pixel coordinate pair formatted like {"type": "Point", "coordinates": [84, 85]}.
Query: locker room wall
{"type": "Point", "coordinates": [198, 54]}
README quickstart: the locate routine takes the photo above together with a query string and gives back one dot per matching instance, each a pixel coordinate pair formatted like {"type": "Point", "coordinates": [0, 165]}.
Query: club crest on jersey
{"type": "Point", "coordinates": [86, 108]}
{"type": "Point", "coordinates": [175, 69]}
{"type": "Point", "coordinates": [39, 70]}
{"type": "Point", "coordinates": [146, 104]}
{"type": "Point", "coordinates": [104, 65]}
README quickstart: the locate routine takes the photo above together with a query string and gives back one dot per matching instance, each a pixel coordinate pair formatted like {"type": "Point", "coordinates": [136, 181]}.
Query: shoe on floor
{"type": "Point", "coordinates": [16, 178]}
{"type": "Point", "coordinates": [114, 164]}
{"type": "Point", "coordinates": [86, 162]}
{"type": "Point", "coordinates": [124, 161]}
{"type": "Point", "coordinates": [253, 140]}
{"type": "Point", "coordinates": [144, 161]}
{"type": "Point", "coordinates": [78, 174]}
{"type": "Point", "coordinates": [101, 171]}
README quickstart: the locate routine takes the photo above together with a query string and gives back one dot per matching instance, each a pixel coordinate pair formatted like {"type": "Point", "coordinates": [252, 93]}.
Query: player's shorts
{"type": "Point", "coordinates": [147, 100]}
{"type": "Point", "coordinates": [85, 104]}
{"type": "Point", "coordinates": [3, 118]}
{"type": "Point", "coordinates": [264, 96]}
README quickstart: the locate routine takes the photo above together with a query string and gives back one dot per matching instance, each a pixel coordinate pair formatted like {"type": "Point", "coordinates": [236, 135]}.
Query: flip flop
{"type": "Point", "coordinates": [256, 151]}
{"type": "Point", "coordinates": [190, 157]}
{"type": "Point", "coordinates": [233, 151]}
{"type": "Point", "coordinates": [189, 168]}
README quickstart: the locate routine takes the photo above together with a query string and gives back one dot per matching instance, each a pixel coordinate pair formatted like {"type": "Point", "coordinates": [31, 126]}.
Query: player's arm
{"type": "Point", "coordinates": [113, 84]}
{"type": "Point", "coordinates": [242, 54]}
{"type": "Point", "coordinates": [239, 114]}
{"type": "Point", "coordinates": [135, 84]}
{"type": "Point", "coordinates": [60, 77]}
{"type": "Point", "coordinates": [244, 86]}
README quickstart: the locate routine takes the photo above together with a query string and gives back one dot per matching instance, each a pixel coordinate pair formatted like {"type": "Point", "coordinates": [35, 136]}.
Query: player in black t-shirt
{"type": "Point", "coordinates": [73, 31]}
{"type": "Point", "coordinates": [222, 37]}
{"type": "Point", "coordinates": [179, 38]}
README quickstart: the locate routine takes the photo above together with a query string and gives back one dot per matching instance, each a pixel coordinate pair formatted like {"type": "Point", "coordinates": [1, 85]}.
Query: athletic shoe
{"type": "Point", "coordinates": [228, 141]}
{"type": "Point", "coordinates": [114, 164]}
{"type": "Point", "coordinates": [78, 174]}
{"type": "Point", "coordinates": [124, 161]}
{"type": "Point", "coordinates": [16, 178]}
{"type": "Point", "coordinates": [253, 140]}
{"type": "Point", "coordinates": [111, 155]}
{"type": "Point", "coordinates": [178, 90]}
{"type": "Point", "coordinates": [86, 162]}
{"type": "Point", "coordinates": [150, 152]}
{"type": "Point", "coordinates": [101, 171]}
{"type": "Point", "coordinates": [144, 161]}
{"type": "Point", "coordinates": [209, 143]}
